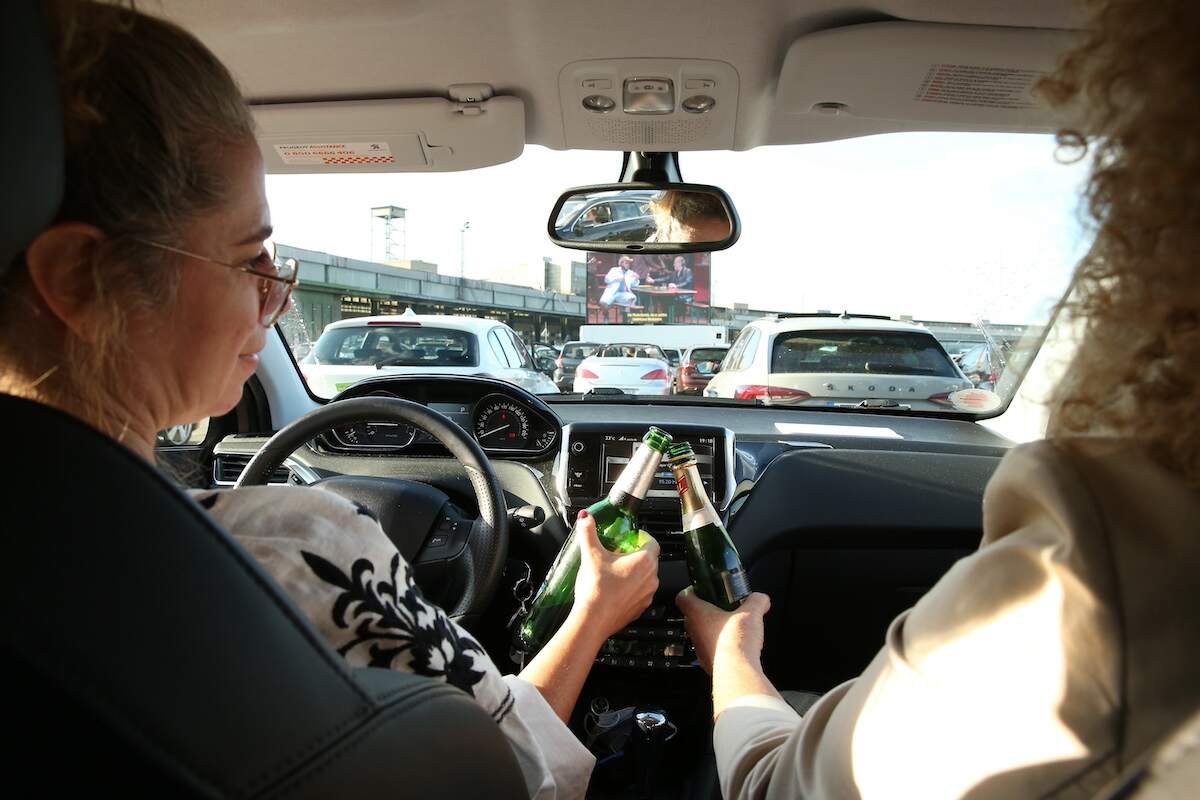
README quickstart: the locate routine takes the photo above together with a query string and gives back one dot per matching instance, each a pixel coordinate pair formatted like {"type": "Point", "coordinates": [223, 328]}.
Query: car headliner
{"type": "Point", "coordinates": [286, 51]}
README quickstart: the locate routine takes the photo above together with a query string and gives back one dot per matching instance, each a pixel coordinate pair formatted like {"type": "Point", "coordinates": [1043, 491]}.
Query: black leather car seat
{"type": "Point", "coordinates": [142, 647]}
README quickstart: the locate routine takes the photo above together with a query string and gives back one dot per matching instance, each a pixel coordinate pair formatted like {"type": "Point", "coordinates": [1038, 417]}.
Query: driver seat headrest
{"type": "Point", "coordinates": [153, 653]}
{"type": "Point", "coordinates": [31, 139]}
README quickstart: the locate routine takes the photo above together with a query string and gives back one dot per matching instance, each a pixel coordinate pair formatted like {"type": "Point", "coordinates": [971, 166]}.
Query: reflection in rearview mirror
{"type": "Point", "coordinates": [644, 218]}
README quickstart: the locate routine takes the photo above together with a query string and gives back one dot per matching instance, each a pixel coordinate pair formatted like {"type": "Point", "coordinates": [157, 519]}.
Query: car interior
{"type": "Point", "coordinates": [844, 517]}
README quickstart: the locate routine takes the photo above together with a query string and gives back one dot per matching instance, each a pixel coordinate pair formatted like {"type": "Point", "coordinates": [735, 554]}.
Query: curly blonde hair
{"type": "Point", "coordinates": [1137, 291]}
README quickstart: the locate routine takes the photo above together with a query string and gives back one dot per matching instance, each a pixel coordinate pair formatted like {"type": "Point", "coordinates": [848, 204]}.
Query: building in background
{"type": "Point", "coordinates": [334, 287]}
{"type": "Point", "coordinates": [564, 278]}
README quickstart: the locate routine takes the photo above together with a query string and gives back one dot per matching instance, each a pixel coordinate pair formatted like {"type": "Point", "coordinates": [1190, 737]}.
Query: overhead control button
{"type": "Point", "coordinates": [649, 96]}
{"type": "Point", "coordinates": [700, 83]}
{"type": "Point", "coordinates": [597, 83]}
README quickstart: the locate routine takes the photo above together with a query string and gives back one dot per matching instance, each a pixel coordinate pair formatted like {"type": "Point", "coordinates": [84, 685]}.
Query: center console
{"type": "Point", "coordinates": [591, 458]}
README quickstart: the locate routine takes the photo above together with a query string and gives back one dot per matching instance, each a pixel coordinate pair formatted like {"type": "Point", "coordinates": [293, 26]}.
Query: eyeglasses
{"type": "Point", "coordinates": [276, 278]}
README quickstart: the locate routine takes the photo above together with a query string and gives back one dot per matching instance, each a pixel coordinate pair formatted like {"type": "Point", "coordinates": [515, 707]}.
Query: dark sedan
{"type": "Point", "coordinates": [570, 357]}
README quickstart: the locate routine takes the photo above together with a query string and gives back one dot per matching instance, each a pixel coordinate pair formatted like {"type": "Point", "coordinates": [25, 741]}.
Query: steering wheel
{"type": "Point", "coordinates": [425, 526]}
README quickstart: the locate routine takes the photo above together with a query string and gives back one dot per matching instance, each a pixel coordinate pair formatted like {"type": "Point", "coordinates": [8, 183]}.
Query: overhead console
{"type": "Point", "coordinates": [649, 104]}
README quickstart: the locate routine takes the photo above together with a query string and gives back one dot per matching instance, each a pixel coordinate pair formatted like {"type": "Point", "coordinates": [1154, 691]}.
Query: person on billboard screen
{"type": "Point", "coordinates": [619, 283]}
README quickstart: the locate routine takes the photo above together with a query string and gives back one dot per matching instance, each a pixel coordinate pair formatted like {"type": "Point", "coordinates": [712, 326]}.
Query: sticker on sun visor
{"type": "Point", "coordinates": [983, 87]}
{"type": "Point", "coordinates": [979, 401]}
{"type": "Point", "coordinates": [336, 153]}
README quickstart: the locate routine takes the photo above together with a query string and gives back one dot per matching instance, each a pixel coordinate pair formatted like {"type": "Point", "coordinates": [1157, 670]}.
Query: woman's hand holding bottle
{"type": "Point", "coordinates": [612, 589]}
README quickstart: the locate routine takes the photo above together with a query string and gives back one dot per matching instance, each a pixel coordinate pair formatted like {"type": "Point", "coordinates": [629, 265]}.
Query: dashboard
{"type": "Point", "coordinates": [503, 420]}
{"type": "Point", "coordinates": [843, 519]}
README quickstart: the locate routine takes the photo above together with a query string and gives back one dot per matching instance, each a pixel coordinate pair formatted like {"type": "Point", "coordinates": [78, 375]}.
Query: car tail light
{"type": "Point", "coordinates": [942, 398]}
{"type": "Point", "coordinates": [687, 369]}
{"type": "Point", "coordinates": [759, 392]}
{"type": "Point", "coordinates": [558, 362]}
{"type": "Point", "coordinates": [655, 375]}
{"type": "Point", "coordinates": [587, 374]}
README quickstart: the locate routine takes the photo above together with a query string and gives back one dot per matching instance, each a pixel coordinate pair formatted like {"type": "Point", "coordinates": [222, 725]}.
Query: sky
{"type": "Point", "coordinates": [947, 226]}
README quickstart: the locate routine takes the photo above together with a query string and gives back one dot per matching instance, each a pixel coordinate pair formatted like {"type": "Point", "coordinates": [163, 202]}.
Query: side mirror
{"type": "Point", "coordinates": [644, 218]}
{"type": "Point", "coordinates": [545, 364]}
{"type": "Point", "coordinates": [717, 367]}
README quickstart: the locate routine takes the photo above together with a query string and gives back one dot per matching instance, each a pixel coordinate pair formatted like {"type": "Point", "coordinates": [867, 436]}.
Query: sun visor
{"type": "Point", "coordinates": [924, 76]}
{"type": "Point", "coordinates": [425, 134]}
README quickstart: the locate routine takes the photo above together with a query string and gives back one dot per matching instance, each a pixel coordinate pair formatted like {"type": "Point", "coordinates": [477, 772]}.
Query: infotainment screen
{"type": "Point", "coordinates": [617, 449]}
{"type": "Point", "coordinates": [597, 454]}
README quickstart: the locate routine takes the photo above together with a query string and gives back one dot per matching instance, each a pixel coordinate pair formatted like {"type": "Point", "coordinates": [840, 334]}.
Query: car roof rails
{"type": "Point", "coordinates": [833, 315]}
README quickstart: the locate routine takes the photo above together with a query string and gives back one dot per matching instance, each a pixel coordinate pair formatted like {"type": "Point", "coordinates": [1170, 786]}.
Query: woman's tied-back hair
{"type": "Point", "coordinates": [149, 117]}
{"type": "Point", "coordinates": [1137, 291]}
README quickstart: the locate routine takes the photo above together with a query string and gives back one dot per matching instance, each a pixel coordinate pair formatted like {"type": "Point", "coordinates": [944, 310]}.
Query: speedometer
{"type": "Point", "coordinates": [502, 425]}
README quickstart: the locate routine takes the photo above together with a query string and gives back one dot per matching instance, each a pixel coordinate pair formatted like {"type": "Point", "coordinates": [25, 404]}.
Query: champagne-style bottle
{"type": "Point", "coordinates": [712, 560]}
{"type": "Point", "coordinates": [617, 529]}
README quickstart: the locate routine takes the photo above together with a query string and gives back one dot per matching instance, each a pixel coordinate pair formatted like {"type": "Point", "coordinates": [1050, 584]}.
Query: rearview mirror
{"type": "Point", "coordinates": [644, 218]}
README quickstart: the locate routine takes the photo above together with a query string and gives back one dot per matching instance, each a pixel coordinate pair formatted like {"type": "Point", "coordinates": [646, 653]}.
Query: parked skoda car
{"type": "Point", "coordinates": [838, 360]}
{"type": "Point", "coordinates": [412, 344]}
{"type": "Point", "coordinates": [697, 368]}
{"type": "Point", "coordinates": [631, 368]}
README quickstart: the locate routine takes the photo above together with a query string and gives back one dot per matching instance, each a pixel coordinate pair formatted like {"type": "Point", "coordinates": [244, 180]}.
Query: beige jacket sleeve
{"type": "Point", "coordinates": [1001, 682]}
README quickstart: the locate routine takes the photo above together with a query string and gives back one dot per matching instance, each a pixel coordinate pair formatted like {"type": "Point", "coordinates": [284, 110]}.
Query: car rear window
{"type": "Point", "coordinates": [399, 346]}
{"type": "Point", "coordinates": [579, 350]}
{"type": "Point", "coordinates": [633, 351]}
{"type": "Point", "coordinates": [867, 352]}
{"type": "Point", "coordinates": [709, 354]}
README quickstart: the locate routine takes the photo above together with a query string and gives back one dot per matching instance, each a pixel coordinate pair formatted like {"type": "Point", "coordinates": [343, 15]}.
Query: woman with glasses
{"type": "Point", "coordinates": [146, 303]}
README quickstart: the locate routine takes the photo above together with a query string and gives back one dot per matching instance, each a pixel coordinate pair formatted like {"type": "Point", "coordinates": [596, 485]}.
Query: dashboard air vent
{"type": "Point", "coordinates": [227, 468]}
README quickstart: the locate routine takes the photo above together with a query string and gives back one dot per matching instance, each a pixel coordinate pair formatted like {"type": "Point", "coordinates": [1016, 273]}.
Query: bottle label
{"type": "Point", "coordinates": [736, 584]}
{"type": "Point", "coordinates": [698, 517]}
{"type": "Point", "coordinates": [638, 474]}
{"type": "Point", "coordinates": [697, 510]}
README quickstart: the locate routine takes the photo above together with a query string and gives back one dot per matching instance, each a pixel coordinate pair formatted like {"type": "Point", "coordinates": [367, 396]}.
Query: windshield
{"type": "Point", "coordinates": [567, 211]}
{"type": "Point", "coordinates": [707, 354]}
{"type": "Point", "coordinates": [956, 247]}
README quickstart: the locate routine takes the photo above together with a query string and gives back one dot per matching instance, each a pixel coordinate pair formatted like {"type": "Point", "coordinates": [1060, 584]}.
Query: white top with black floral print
{"type": "Point", "coordinates": [336, 563]}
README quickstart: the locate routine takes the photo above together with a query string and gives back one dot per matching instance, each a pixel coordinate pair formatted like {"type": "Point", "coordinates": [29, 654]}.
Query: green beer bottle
{"type": "Point", "coordinates": [617, 529]}
{"type": "Point", "coordinates": [712, 560]}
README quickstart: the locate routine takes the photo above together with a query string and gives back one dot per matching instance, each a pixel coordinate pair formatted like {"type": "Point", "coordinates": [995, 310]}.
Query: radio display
{"type": "Point", "coordinates": [617, 449]}
{"type": "Point", "coordinates": [597, 457]}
